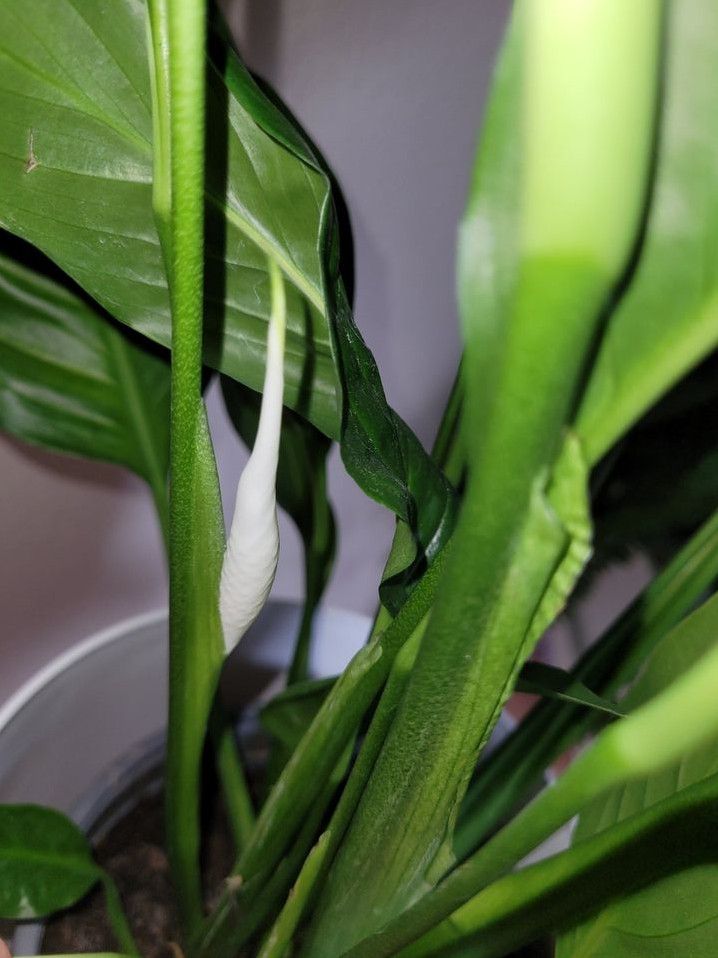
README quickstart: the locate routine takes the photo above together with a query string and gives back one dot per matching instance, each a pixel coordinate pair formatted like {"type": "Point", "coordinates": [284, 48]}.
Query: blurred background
{"type": "Point", "coordinates": [392, 93]}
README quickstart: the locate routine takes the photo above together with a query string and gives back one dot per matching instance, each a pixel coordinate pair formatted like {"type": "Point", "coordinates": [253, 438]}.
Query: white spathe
{"type": "Point", "coordinates": [250, 559]}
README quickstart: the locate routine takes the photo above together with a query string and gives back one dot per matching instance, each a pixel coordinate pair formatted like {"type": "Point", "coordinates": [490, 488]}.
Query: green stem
{"type": "Point", "coordinates": [318, 554]}
{"type": "Point", "coordinates": [304, 778]}
{"type": "Point", "coordinates": [178, 190]}
{"type": "Point", "coordinates": [118, 919]}
{"type": "Point", "coordinates": [280, 935]}
{"type": "Point", "coordinates": [371, 746]}
{"type": "Point", "coordinates": [246, 906]}
{"type": "Point", "coordinates": [235, 789]}
{"type": "Point", "coordinates": [178, 32]}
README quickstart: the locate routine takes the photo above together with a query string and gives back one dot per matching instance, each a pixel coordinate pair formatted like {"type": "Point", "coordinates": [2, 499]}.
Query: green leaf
{"type": "Point", "coordinates": [45, 862]}
{"type": "Point", "coordinates": [288, 715]}
{"type": "Point", "coordinates": [662, 480]}
{"type": "Point", "coordinates": [76, 180]}
{"type": "Point", "coordinates": [668, 318]}
{"type": "Point", "coordinates": [386, 459]}
{"type": "Point", "coordinates": [536, 678]}
{"type": "Point", "coordinates": [74, 381]}
{"type": "Point", "coordinates": [678, 915]}
{"type": "Point", "coordinates": [301, 492]}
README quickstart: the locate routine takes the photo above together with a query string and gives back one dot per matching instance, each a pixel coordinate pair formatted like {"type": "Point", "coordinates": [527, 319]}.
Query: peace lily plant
{"type": "Point", "coordinates": [183, 228]}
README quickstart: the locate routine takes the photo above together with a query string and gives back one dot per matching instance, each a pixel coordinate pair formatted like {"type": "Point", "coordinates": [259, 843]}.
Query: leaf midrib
{"type": "Point", "coordinates": [66, 861]}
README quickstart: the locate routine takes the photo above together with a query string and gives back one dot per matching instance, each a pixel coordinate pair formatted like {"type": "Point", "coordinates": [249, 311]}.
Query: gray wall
{"type": "Point", "coordinates": [392, 92]}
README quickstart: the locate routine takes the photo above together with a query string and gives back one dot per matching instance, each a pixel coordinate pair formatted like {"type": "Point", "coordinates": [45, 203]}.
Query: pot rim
{"type": "Point", "coordinates": [65, 660]}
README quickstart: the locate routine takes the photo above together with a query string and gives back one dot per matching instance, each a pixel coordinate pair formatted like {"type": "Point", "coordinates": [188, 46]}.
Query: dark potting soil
{"type": "Point", "coordinates": [133, 853]}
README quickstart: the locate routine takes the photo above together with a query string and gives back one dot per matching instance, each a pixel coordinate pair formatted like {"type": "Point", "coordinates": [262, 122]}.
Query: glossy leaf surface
{"type": "Point", "coordinates": [76, 181]}
{"type": "Point", "coordinates": [386, 459]}
{"type": "Point", "coordinates": [45, 862]}
{"type": "Point", "coordinates": [72, 380]}
{"type": "Point", "coordinates": [678, 915]}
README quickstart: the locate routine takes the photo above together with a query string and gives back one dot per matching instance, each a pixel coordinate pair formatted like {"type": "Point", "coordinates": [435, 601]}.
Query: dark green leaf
{"type": "Point", "coordinates": [76, 181]}
{"type": "Point", "coordinates": [386, 459]}
{"type": "Point", "coordinates": [678, 915]}
{"type": "Point", "coordinates": [536, 678]}
{"type": "Point", "coordinates": [72, 380]}
{"type": "Point", "coordinates": [662, 481]}
{"type": "Point", "coordinates": [288, 715]}
{"type": "Point", "coordinates": [45, 862]}
{"type": "Point", "coordinates": [379, 450]}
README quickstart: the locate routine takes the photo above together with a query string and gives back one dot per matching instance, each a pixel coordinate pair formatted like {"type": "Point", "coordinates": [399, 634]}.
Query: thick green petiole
{"type": "Point", "coordinates": [534, 278]}
{"type": "Point", "coordinates": [676, 722]}
{"type": "Point", "coordinates": [196, 532]}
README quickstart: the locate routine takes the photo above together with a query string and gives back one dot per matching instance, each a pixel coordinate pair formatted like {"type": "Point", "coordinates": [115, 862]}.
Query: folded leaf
{"type": "Point", "coordinates": [386, 459]}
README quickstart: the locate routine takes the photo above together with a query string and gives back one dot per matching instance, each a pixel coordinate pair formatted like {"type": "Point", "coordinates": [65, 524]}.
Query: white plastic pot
{"type": "Point", "coordinates": [93, 718]}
